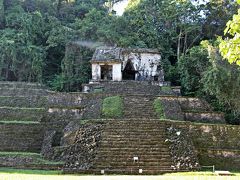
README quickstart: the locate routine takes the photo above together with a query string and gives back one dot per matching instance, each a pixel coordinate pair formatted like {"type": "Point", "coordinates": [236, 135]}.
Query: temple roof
{"type": "Point", "coordinates": [106, 54]}
{"type": "Point", "coordinates": [114, 54]}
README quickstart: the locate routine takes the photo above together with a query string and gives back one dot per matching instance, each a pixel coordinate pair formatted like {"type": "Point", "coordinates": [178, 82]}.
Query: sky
{"type": "Point", "coordinates": [119, 7]}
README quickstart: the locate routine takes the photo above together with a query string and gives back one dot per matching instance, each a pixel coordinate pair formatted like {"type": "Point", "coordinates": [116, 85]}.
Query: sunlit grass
{"type": "Point", "coordinates": [28, 171]}
{"type": "Point", "coordinates": [13, 174]}
{"type": "Point", "coordinates": [72, 177]}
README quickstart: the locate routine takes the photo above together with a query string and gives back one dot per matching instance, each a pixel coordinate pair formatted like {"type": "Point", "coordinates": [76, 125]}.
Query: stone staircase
{"type": "Point", "coordinates": [127, 87]}
{"type": "Point", "coordinates": [139, 106]}
{"type": "Point", "coordinates": [122, 140]}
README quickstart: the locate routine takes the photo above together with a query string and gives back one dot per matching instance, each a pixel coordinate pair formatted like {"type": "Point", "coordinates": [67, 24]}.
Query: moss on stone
{"type": "Point", "coordinates": [166, 89]}
{"type": "Point", "coordinates": [159, 108]}
{"type": "Point", "coordinates": [112, 107]}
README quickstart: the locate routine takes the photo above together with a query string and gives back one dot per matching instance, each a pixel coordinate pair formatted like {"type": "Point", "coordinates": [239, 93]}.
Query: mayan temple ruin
{"type": "Point", "coordinates": [127, 120]}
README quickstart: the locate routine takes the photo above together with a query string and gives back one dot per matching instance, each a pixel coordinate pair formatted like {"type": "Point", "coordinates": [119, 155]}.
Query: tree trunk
{"type": "Point", "coordinates": [185, 43]}
{"type": "Point", "coordinates": [2, 14]}
{"type": "Point", "coordinates": [179, 45]}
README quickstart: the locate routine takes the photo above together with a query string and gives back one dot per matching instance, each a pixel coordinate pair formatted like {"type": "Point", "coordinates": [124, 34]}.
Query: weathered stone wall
{"type": "Point", "coordinates": [21, 114]}
{"type": "Point", "coordinates": [188, 104]}
{"type": "Point", "coordinates": [21, 137]}
{"type": "Point", "coordinates": [23, 101]}
{"type": "Point", "coordinates": [190, 109]}
{"type": "Point", "coordinates": [78, 146]}
{"type": "Point", "coordinates": [172, 109]}
{"type": "Point", "coordinates": [217, 145]}
{"type": "Point", "coordinates": [22, 92]}
{"type": "Point", "coordinates": [182, 150]}
{"type": "Point", "coordinates": [13, 84]}
{"type": "Point", "coordinates": [205, 117]}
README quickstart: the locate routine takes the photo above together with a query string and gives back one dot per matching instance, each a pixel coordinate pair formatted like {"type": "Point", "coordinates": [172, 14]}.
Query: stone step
{"type": "Point", "coordinates": [139, 137]}
{"type": "Point", "coordinates": [135, 131]}
{"type": "Point", "coordinates": [135, 134]}
{"type": "Point", "coordinates": [135, 120]}
{"type": "Point", "coordinates": [12, 84]}
{"type": "Point", "coordinates": [130, 108]}
{"type": "Point", "coordinates": [22, 92]}
{"type": "Point", "coordinates": [119, 153]}
{"type": "Point", "coordinates": [189, 103]}
{"type": "Point", "coordinates": [140, 115]}
{"type": "Point", "coordinates": [21, 114]}
{"type": "Point", "coordinates": [123, 140]}
{"type": "Point", "coordinates": [21, 137]}
{"type": "Point", "coordinates": [142, 124]}
{"type": "Point", "coordinates": [134, 141]}
{"type": "Point", "coordinates": [139, 148]}
{"type": "Point", "coordinates": [132, 164]}
{"type": "Point", "coordinates": [140, 103]}
{"type": "Point", "coordinates": [130, 159]}
{"type": "Point", "coordinates": [135, 167]}
{"type": "Point", "coordinates": [138, 111]}
{"type": "Point", "coordinates": [131, 171]}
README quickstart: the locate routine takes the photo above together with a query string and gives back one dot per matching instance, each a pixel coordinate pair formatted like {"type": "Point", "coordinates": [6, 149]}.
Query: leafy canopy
{"type": "Point", "coordinates": [230, 47]}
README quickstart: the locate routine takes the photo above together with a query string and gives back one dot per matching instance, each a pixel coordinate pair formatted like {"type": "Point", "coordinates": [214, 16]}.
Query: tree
{"type": "Point", "coordinates": [216, 13]}
{"type": "Point", "coordinates": [2, 14]}
{"type": "Point", "coordinates": [192, 66]}
{"type": "Point", "coordinates": [222, 80]}
{"type": "Point", "coordinates": [230, 47]}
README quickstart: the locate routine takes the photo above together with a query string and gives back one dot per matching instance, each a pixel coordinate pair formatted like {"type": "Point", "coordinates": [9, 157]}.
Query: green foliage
{"type": "Point", "coordinates": [230, 47]}
{"type": "Point", "coordinates": [192, 67]}
{"type": "Point", "coordinates": [75, 69]}
{"type": "Point", "coordinates": [158, 106]}
{"type": "Point", "coordinates": [217, 13]}
{"type": "Point", "coordinates": [221, 80]}
{"type": "Point", "coordinates": [166, 89]}
{"type": "Point", "coordinates": [112, 107]}
{"type": "Point", "coordinates": [205, 74]}
{"type": "Point", "coordinates": [35, 36]}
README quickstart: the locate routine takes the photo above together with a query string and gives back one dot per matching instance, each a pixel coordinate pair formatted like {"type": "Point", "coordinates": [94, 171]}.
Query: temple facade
{"type": "Point", "coordinates": [117, 64]}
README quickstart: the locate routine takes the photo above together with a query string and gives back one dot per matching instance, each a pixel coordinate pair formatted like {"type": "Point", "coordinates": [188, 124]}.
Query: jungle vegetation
{"type": "Point", "coordinates": [52, 41]}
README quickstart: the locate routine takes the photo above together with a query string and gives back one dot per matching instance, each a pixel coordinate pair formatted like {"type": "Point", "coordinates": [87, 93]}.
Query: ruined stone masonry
{"type": "Point", "coordinates": [42, 129]}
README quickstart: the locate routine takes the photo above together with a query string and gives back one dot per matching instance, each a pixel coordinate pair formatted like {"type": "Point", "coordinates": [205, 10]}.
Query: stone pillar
{"type": "Point", "coordinates": [96, 71]}
{"type": "Point", "coordinates": [117, 72]}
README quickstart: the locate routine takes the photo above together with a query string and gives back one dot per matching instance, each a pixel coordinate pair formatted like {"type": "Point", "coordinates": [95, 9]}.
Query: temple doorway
{"type": "Point", "coordinates": [129, 72]}
{"type": "Point", "coordinates": [106, 72]}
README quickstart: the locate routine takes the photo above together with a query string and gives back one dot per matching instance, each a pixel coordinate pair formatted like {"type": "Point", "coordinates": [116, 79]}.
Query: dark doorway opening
{"type": "Point", "coordinates": [129, 72]}
{"type": "Point", "coordinates": [106, 72]}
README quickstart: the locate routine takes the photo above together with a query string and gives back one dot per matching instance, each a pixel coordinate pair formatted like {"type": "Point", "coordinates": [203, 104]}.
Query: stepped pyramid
{"type": "Point", "coordinates": [32, 117]}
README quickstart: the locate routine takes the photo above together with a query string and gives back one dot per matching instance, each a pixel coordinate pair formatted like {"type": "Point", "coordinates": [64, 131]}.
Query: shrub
{"type": "Point", "coordinates": [159, 108]}
{"type": "Point", "coordinates": [112, 107]}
